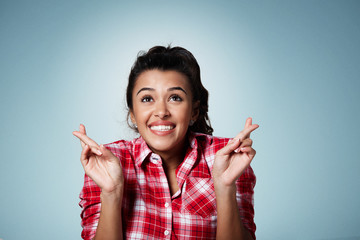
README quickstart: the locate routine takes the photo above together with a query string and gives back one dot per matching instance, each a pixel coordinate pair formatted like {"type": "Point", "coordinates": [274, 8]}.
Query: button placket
{"type": "Point", "coordinates": [167, 210]}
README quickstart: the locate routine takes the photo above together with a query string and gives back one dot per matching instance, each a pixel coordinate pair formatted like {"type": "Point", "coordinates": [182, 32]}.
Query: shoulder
{"type": "Point", "coordinates": [125, 148]}
{"type": "Point", "coordinates": [119, 145]}
{"type": "Point", "coordinates": [207, 146]}
{"type": "Point", "coordinates": [209, 142]}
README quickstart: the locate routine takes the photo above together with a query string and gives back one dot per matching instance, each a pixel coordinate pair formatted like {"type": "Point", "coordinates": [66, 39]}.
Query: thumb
{"type": "Point", "coordinates": [230, 147]}
{"type": "Point", "coordinates": [107, 154]}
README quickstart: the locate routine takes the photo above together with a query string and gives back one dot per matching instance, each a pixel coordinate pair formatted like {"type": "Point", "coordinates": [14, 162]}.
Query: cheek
{"type": "Point", "coordinates": [141, 115]}
{"type": "Point", "coordinates": [183, 114]}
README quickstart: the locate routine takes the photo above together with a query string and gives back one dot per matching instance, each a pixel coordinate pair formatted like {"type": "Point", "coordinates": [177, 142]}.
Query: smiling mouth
{"type": "Point", "coordinates": [162, 128]}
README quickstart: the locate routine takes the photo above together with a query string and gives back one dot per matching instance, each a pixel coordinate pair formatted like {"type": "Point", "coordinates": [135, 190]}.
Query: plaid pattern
{"type": "Point", "coordinates": [149, 211]}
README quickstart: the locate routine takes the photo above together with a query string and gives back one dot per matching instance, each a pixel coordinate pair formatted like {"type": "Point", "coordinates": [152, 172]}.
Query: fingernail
{"type": "Point", "coordinates": [237, 150]}
{"type": "Point", "coordinates": [99, 152]}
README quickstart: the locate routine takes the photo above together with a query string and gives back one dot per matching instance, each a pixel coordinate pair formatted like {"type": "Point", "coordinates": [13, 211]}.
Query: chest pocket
{"type": "Point", "coordinates": [199, 197]}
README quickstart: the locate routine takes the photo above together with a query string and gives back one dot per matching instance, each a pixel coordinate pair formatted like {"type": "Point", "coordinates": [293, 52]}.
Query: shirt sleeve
{"type": "Point", "coordinates": [245, 198]}
{"type": "Point", "coordinates": [90, 204]}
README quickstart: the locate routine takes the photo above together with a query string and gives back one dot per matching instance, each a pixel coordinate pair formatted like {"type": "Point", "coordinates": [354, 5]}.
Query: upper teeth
{"type": "Point", "coordinates": [161, 128]}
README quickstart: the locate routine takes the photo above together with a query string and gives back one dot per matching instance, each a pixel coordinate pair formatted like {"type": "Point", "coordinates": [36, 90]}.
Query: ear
{"type": "Point", "coordinates": [195, 111]}
{"type": "Point", "coordinates": [132, 117]}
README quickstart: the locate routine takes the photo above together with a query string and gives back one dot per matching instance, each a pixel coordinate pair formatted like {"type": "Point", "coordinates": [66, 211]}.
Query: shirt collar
{"type": "Point", "coordinates": [194, 138]}
{"type": "Point", "coordinates": [142, 150]}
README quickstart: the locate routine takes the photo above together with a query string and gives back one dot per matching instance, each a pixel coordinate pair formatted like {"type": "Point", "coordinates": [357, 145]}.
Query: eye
{"type": "Point", "coordinates": [146, 99]}
{"type": "Point", "coordinates": [176, 98]}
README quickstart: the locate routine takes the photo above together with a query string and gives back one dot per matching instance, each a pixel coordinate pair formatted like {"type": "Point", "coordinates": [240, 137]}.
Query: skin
{"type": "Point", "coordinates": [230, 162]}
{"type": "Point", "coordinates": [165, 98]}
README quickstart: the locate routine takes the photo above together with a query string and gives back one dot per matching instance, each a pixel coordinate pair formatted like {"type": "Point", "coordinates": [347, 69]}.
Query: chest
{"type": "Point", "coordinates": [178, 204]}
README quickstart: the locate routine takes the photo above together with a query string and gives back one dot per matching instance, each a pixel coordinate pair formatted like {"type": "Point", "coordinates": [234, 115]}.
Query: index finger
{"type": "Point", "coordinates": [249, 128]}
{"type": "Point", "coordinates": [248, 122]}
{"type": "Point", "coordinates": [85, 139]}
{"type": "Point", "coordinates": [82, 130]}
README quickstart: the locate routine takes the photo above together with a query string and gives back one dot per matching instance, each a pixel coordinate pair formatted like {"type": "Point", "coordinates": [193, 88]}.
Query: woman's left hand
{"type": "Point", "coordinates": [231, 161]}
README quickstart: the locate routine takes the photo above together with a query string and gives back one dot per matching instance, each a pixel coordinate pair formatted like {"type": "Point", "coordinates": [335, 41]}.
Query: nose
{"type": "Point", "coordinates": [161, 110]}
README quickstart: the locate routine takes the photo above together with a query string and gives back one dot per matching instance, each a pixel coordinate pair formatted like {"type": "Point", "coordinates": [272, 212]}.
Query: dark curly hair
{"type": "Point", "coordinates": [176, 59]}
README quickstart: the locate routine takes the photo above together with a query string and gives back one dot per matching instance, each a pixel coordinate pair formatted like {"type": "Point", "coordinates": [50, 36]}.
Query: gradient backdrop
{"type": "Point", "coordinates": [294, 66]}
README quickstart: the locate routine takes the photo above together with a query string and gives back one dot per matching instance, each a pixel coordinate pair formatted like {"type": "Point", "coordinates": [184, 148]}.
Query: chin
{"type": "Point", "coordinates": [159, 146]}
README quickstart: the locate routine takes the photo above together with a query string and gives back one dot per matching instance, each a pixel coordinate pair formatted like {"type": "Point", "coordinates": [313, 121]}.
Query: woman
{"type": "Point", "coordinates": [175, 181]}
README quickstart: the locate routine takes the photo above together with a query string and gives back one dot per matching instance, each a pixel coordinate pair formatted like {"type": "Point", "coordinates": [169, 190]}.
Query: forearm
{"type": "Point", "coordinates": [110, 222]}
{"type": "Point", "coordinates": [229, 224]}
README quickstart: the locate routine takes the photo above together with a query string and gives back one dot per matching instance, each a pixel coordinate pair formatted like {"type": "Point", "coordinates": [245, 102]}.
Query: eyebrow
{"type": "Point", "coordinates": [169, 89]}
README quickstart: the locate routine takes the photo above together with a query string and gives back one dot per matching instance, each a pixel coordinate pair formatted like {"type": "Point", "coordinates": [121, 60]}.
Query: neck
{"type": "Point", "coordinates": [173, 158]}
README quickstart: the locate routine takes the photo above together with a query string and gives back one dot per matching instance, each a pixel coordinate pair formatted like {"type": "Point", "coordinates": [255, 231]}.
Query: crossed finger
{"type": "Point", "coordinates": [82, 130]}
{"type": "Point", "coordinates": [249, 127]}
{"type": "Point", "coordinates": [244, 146]}
{"type": "Point", "coordinates": [235, 143]}
{"type": "Point", "coordinates": [85, 140]}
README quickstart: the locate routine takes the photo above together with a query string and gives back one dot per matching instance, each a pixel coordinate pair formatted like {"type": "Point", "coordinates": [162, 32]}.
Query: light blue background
{"type": "Point", "coordinates": [294, 66]}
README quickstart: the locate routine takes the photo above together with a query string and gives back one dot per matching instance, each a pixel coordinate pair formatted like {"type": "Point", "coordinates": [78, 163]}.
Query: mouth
{"type": "Point", "coordinates": [162, 128]}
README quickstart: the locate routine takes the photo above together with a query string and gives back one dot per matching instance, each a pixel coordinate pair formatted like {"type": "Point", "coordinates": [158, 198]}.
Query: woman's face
{"type": "Point", "coordinates": [162, 109]}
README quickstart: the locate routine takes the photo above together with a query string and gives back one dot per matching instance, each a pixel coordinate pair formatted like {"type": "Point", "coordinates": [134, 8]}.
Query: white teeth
{"type": "Point", "coordinates": [161, 128]}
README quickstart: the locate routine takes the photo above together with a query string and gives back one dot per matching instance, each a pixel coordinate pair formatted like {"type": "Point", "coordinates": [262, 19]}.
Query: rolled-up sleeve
{"type": "Point", "coordinates": [245, 198]}
{"type": "Point", "coordinates": [90, 204]}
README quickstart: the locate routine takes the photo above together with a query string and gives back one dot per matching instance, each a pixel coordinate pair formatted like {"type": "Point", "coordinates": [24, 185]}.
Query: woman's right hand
{"type": "Point", "coordinates": [100, 164]}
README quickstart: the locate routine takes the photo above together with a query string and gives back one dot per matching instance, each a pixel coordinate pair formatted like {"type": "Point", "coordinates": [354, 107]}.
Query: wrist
{"type": "Point", "coordinates": [115, 195]}
{"type": "Point", "coordinates": [222, 189]}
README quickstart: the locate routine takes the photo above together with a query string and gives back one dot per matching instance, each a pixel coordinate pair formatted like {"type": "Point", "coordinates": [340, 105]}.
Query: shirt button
{"type": "Point", "coordinates": [166, 205]}
{"type": "Point", "coordinates": [166, 232]}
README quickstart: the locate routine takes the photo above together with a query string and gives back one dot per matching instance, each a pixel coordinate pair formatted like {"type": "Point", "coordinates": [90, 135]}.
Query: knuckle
{"type": "Point", "coordinates": [218, 153]}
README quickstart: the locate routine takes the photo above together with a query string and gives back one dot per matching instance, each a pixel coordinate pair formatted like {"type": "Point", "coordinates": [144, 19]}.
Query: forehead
{"type": "Point", "coordinates": [158, 80]}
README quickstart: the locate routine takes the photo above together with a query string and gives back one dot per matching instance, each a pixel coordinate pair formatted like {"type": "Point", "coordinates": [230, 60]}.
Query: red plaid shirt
{"type": "Point", "coordinates": [149, 211]}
